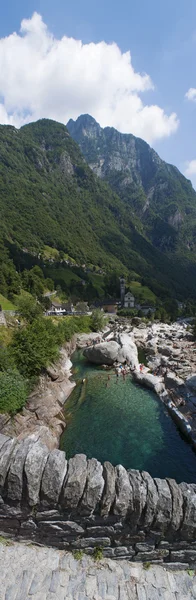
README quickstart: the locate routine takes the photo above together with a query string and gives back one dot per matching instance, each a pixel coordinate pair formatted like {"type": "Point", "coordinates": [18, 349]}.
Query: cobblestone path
{"type": "Point", "coordinates": [30, 572]}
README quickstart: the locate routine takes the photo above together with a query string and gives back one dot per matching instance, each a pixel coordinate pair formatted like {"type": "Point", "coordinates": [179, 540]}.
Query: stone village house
{"type": "Point", "coordinates": [129, 300]}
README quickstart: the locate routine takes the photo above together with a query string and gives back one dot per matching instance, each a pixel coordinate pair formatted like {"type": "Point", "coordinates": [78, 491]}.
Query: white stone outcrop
{"type": "Point", "coordinates": [148, 380]}
{"type": "Point", "coordinates": [122, 349]}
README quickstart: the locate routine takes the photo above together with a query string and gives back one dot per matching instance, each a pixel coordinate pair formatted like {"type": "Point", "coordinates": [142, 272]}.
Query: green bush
{"type": "Point", "coordinates": [36, 346]}
{"type": "Point", "coordinates": [13, 392]}
{"type": "Point", "coordinates": [98, 320]}
{"type": "Point", "coordinates": [127, 312]}
{"type": "Point", "coordinates": [28, 308]}
{"type": "Point", "coordinates": [98, 553]}
{"type": "Point", "coordinates": [6, 359]}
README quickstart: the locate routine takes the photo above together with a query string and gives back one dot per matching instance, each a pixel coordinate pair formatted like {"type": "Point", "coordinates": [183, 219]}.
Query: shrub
{"type": "Point", "coordinates": [36, 346]}
{"type": "Point", "coordinates": [28, 308]}
{"type": "Point", "coordinates": [13, 392]}
{"type": "Point", "coordinates": [97, 321]}
{"type": "Point", "coordinates": [98, 554]}
{"type": "Point", "coordinates": [78, 554]}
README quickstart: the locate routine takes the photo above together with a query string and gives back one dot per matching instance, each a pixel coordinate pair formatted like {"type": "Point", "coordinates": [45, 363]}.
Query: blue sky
{"type": "Point", "coordinates": [161, 37]}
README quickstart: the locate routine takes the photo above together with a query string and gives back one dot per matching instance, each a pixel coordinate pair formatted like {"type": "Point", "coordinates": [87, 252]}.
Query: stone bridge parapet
{"type": "Point", "coordinates": [80, 504]}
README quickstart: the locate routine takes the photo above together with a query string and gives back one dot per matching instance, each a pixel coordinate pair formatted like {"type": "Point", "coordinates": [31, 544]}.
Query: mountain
{"type": "Point", "coordinates": [50, 196]}
{"type": "Point", "coordinates": [162, 200]}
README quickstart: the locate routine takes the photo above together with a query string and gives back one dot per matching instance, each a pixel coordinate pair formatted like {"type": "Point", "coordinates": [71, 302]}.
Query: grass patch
{"type": "Point", "coordinates": [78, 554]}
{"type": "Point", "coordinates": [6, 304]}
{"type": "Point", "coordinates": [98, 554]}
{"type": "Point", "coordinates": [142, 293]}
{"type": "Point", "coordinates": [146, 566]}
{"type": "Point", "coordinates": [4, 541]}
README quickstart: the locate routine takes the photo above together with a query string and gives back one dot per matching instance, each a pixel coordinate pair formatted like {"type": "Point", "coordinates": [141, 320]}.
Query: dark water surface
{"type": "Point", "coordinates": [125, 424]}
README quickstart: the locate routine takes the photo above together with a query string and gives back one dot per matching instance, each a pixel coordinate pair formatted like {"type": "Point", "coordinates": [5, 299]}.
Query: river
{"type": "Point", "coordinates": [125, 424]}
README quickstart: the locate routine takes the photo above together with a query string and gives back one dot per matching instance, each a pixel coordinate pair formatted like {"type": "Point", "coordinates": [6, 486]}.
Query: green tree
{"type": "Point", "coordinates": [36, 346]}
{"type": "Point", "coordinates": [13, 392]}
{"type": "Point", "coordinates": [97, 320]}
{"type": "Point", "coordinates": [28, 308]}
{"type": "Point", "coordinates": [49, 284]}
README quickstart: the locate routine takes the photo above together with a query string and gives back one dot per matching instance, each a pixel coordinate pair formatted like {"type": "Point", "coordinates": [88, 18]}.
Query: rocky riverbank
{"type": "Point", "coordinates": [43, 413]}
{"type": "Point", "coordinates": [170, 368]}
{"type": "Point", "coordinates": [170, 371]}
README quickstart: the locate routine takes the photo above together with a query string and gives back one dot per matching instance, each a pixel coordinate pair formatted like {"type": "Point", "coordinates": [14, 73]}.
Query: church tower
{"type": "Point", "coordinates": [122, 290]}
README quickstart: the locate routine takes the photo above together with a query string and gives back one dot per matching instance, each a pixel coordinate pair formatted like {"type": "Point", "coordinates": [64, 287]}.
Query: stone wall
{"type": "Point", "coordinates": [80, 504]}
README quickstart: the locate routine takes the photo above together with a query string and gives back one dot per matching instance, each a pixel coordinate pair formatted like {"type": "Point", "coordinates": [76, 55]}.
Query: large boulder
{"type": "Point", "coordinates": [151, 381]}
{"type": "Point", "coordinates": [122, 350]}
{"type": "Point", "coordinates": [128, 350]}
{"type": "Point", "coordinates": [103, 354]}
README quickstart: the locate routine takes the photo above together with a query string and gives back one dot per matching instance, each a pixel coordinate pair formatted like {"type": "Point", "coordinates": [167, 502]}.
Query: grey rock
{"type": "Point", "coordinates": [124, 493]}
{"type": "Point", "coordinates": [128, 350]}
{"type": "Point", "coordinates": [177, 566]}
{"type": "Point", "coordinates": [177, 504]}
{"type": "Point", "coordinates": [172, 381]}
{"type": "Point", "coordinates": [68, 526]}
{"type": "Point", "coordinates": [191, 381]}
{"type": "Point", "coordinates": [109, 473]}
{"type": "Point", "coordinates": [50, 515]}
{"type": "Point", "coordinates": [108, 552]}
{"type": "Point", "coordinates": [5, 457]}
{"type": "Point", "coordinates": [94, 486]}
{"type": "Point", "coordinates": [164, 505]}
{"type": "Point", "coordinates": [151, 499]}
{"type": "Point", "coordinates": [53, 373]}
{"type": "Point", "coordinates": [124, 551]}
{"type": "Point", "coordinates": [165, 350]}
{"type": "Point", "coordinates": [75, 482]}
{"type": "Point", "coordinates": [145, 547]}
{"type": "Point", "coordinates": [188, 529]}
{"type": "Point", "coordinates": [152, 555]}
{"type": "Point", "coordinates": [30, 524]}
{"type": "Point", "coordinates": [34, 466]}
{"type": "Point", "coordinates": [53, 476]}
{"type": "Point", "coordinates": [149, 380]}
{"type": "Point", "coordinates": [105, 353]}
{"type": "Point", "coordinates": [139, 494]}
{"type": "Point", "coordinates": [55, 580]}
{"type": "Point", "coordinates": [100, 531]}
{"type": "Point", "coordinates": [183, 556]}
{"type": "Point", "coordinates": [3, 439]}
{"type": "Point", "coordinates": [15, 475]}
{"type": "Point", "coordinates": [92, 542]}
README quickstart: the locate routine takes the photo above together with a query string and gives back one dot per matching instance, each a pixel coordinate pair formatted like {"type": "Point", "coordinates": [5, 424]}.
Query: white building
{"type": "Point", "coordinates": [129, 300]}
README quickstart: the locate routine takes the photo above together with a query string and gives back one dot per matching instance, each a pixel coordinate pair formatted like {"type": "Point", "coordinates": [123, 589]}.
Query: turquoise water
{"type": "Point", "coordinates": [125, 424]}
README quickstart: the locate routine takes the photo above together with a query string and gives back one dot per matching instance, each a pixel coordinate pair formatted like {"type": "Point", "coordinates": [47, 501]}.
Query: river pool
{"type": "Point", "coordinates": [125, 424]}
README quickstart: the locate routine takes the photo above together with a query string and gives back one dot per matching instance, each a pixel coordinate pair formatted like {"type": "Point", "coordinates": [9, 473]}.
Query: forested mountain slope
{"type": "Point", "coordinates": [158, 194]}
{"type": "Point", "coordinates": [49, 195]}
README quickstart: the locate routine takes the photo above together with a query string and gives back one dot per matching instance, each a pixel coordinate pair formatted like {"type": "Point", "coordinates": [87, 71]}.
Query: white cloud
{"type": "Point", "coordinates": [191, 94]}
{"type": "Point", "coordinates": [190, 168]}
{"type": "Point", "coordinates": [41, 76]}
